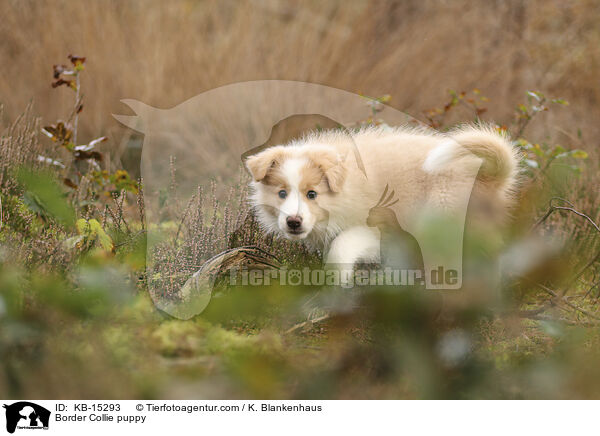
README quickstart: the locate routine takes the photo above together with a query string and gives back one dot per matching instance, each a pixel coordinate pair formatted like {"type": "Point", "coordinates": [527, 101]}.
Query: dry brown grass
{"type": "Point", "coordinates": [165, 52]}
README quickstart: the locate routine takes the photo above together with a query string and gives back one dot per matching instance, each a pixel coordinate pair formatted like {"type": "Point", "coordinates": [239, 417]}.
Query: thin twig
{"type": "Point", "coordinates": [130, 239]}
{"type": "Point", "coordinates": [571, 208]}
{"type": "Point", "coordinates": [576, 212]}
{"type": "Point", "coordinates": [551, 209]}
{"type": "Point", "coordinates": [140, 203]}
{"type": "Point", "coordinates": [594, 285]}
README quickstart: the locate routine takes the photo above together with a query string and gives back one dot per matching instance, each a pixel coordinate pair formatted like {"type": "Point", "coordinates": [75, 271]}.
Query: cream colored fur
{"type": "Point", "coordinates": [425, 169]}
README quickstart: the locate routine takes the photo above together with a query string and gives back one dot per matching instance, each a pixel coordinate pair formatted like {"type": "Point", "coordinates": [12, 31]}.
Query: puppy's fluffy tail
{"type": "Point", "coordinates": [500, 162]}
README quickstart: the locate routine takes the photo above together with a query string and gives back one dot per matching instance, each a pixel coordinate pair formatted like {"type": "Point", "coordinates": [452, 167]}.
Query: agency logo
{"type": "Point", "coordinates": [26, 415]}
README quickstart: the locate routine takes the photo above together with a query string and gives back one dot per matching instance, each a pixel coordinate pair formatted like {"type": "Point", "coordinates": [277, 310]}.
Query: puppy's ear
{"type": "Point", "coordinates": [260, 164]}
{"type": "Point", "coordinates": [333, 167]}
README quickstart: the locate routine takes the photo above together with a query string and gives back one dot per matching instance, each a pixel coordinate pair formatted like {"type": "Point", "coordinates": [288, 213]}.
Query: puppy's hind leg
{"type": "Point", "coordinates": [350, 246]}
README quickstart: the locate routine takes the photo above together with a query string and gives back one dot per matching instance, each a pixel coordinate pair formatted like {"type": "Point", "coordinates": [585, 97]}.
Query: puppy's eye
{"type": "Point", "coordinates": [282, 193]}
{"type": "Point", "coordinates": [311, 195]}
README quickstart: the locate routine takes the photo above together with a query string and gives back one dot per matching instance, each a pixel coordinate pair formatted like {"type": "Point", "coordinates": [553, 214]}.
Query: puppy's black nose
{"type": "Point", "coordinates": [294, 222]}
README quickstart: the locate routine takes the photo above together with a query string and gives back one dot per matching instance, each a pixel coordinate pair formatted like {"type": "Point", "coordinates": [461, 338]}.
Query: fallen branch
{"type": "Point", "coordinates": [530, 313]}
{"type": "Point", "coordinates": [540, 317]}
{"type": "Point", "coordinates": [310, 322]}
{"type": "Point", "coordinates": [562, 299]}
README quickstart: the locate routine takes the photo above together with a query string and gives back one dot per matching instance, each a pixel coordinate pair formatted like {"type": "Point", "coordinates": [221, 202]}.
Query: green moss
{"type": "Point", "coordinates": [178, 338]}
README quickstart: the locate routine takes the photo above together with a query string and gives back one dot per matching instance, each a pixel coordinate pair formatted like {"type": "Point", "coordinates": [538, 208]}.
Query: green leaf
{"type": "Point", "coordinates": [579, 154]}
{"type": "Point", "coordinates": [105, 240]}
{"type": "Point", "coordinates": [82, 226]}
{"type": "Point", "coordinates": [92, 231]}
{"type": "Point", "coordinates": [557, 151]}
{"type": "Point", "coordinates": [43, 195]}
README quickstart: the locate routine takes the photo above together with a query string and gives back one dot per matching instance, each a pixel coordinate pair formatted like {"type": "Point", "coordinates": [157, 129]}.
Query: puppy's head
{"type": "Point", "coordinates": [293, 185]}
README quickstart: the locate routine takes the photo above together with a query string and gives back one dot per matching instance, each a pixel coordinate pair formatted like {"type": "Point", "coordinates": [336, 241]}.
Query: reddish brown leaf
{"type": "Point", "coordinates": [85, 155]}
{"type": "Point", "coordinates": [70, 183]}
{"type": "Point", "coordinates": [60, 81]}
{"type": "Point", "coordinates": [58, 70]}
{"type": "Point", "coordinates": [60, 132]}
{"type": "Point", "coordinates": [76, 60]}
